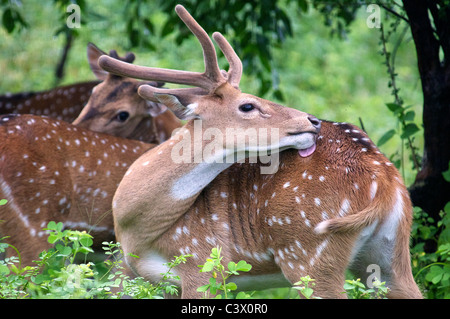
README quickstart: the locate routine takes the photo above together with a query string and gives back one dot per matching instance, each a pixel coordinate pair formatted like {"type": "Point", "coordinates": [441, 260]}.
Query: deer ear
{"type": "Point", "coordinates": [182, 109]}
{"type": "Point", "coordinates": [93, 53]}
{"type": "Point", "coordinates": [155, 109]}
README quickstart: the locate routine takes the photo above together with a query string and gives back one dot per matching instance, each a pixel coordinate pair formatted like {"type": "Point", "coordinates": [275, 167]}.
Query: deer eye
{"type": "Point", "coordinates": [122, 116]}
{"type": "Point", "coordinates": [247, 107]}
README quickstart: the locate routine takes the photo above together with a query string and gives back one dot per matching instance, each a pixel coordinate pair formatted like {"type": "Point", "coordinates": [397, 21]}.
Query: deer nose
{"type": "Point", "coordinates": [315, 122]}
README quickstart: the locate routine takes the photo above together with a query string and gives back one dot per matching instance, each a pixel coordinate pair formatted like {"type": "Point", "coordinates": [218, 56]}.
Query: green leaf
{"type": "Point", "coordinates": [3, 202]}
{"type": "Point", "coordinates": [167, 28]}
{"type": "Point", "coordinates": [409, 130]}
{"type": "Point", "coordinates": [39, 279]}
{"type": "Point", "coordinates": [4, 270]}
{"type": "Point", "coordinates": [386, 137]}
{"type": "Point", "coordinates": [52, 238]}
{"type": "Point", "coordinates": [85, 250]}
{"type": "Point", "coordinates": [8, 20]}
{"type": "Point", "coordinates": [446, 175]}
{"type": "Point", "coordinates": [54, 226]}
{"type": "Point", "coordinates": [243, 295]}
{"type": "Point", "coordinates": [231, 286]}
{"type": "Point", "coordinates": [232, 267]}
{"type": "Point", "coordinates": [215, 252]}
{"type": "Point", "coordinates": [307, 292]}
{"type": "Point", "coordinates": [394, 107]}
{"type": "Point", "coordinates": [64, 250]}
{"type": "Point", "coordinates": [349, 286]}
{"type": "Point", "coordinates": [243, 266]}
{"type": "Point", "coordinates": [435, 274]}
{"type": "Point", "coordinates": [208, 266]}
{"type": "Point", "coordinates": [203, 288]}
{"type": "Point", "coordinates": [303, 5]}
{"type": "Point", "coordinates": [51, 225]}
{"type": "Point", "coordinates": [409, 116]}
{"type": "Point", "coordinates": [214, 285]}
{"type": "Point", "coordinates": [86, 242]}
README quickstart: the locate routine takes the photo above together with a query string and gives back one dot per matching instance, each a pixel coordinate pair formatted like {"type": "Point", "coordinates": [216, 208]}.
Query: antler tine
{"type": "Point", "coordinates": [212, 70]}
{"type": "Point", "coordinates": [148, 92]}
{"type": "Point", "coordinates": [210, 80]}
{"type": "Point", "coordinates": [235, 70]}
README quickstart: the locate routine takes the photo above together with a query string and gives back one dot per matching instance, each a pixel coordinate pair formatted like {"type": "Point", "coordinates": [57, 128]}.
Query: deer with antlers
{"type": "Point", "coordinates": [335, 202]}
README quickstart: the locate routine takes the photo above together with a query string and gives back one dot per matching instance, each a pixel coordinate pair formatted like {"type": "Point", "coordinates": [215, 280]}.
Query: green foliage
{"type": "Point", "coordinates": [407, 127]}
{"type": "Point", "coordinates": [355, 289]}
{"type": "Point", "coordinates": [220, 285]}
{"type": "Point", "coordinates": [305, 286]}
{"type": "Point", "coordinates": [432, 270]}
{"type": "Point", "coordinates": [68, 243]}
{"type": "Point", "coordinates": [12, 18]}
{"type": "Point", "coordinates": [56, 275]}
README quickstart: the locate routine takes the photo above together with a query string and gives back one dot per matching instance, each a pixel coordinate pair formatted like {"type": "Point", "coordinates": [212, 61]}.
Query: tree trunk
{"type": "Point", "coordinates": [59, 72]}
{"type": "Point", "coordinates": [430, 191]}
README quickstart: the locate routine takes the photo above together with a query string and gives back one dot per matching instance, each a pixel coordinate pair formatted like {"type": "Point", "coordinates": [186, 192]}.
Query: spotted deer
{"type": "Point", "coordinates": [115, 107]}
{"type": "Point", "coordinates": [335, 203]}
{"type": "Point", "coordinates": [109, 105]}
{"type": "Point", "coordinates": [63, 103]}
{"type": "Point", "coordinates": [87, 207]}
{"type": "Point", "coordinates": [51, 170]}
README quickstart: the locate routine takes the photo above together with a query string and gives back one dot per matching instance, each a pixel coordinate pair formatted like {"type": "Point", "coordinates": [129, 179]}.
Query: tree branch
{"type": "Point", "coordinates": [393, 12]}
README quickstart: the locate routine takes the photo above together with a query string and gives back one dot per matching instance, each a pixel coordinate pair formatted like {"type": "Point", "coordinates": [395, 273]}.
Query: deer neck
{"type": "Point", "coordinates": [197, 159]}
{"type": "Point", "coordinates": [145, 131]}
{"type": "Point", "coordinates": [173, 174]}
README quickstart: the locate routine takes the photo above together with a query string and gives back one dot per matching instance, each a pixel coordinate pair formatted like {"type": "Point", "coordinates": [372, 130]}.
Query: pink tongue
{"type": "Point", "coordinates": [307, 151]}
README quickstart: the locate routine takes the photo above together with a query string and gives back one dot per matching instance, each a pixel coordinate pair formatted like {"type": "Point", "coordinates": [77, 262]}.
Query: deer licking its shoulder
{"type": "Point", "coordinates": [51, 170]}
{"type": "Point", "coordinates": [335, 203]}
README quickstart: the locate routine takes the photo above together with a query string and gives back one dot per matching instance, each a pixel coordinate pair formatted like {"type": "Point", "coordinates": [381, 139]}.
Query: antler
{"type": "Point", "coordinates": [235, 70]}
{"type": "Point", "coordinates": [129, 57]}
{"type": "Point", "coordinates": [210, 79]}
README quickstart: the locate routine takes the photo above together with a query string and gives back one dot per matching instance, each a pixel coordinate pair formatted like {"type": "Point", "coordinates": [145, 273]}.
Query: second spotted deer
{"type": "Point", "coordinates": [51, 170]}
{"type": "Point", "coordinates": [115, 107]}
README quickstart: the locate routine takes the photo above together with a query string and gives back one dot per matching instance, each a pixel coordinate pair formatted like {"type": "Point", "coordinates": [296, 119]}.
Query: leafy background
{"type": "Point", "coordinates": [305, 57]}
